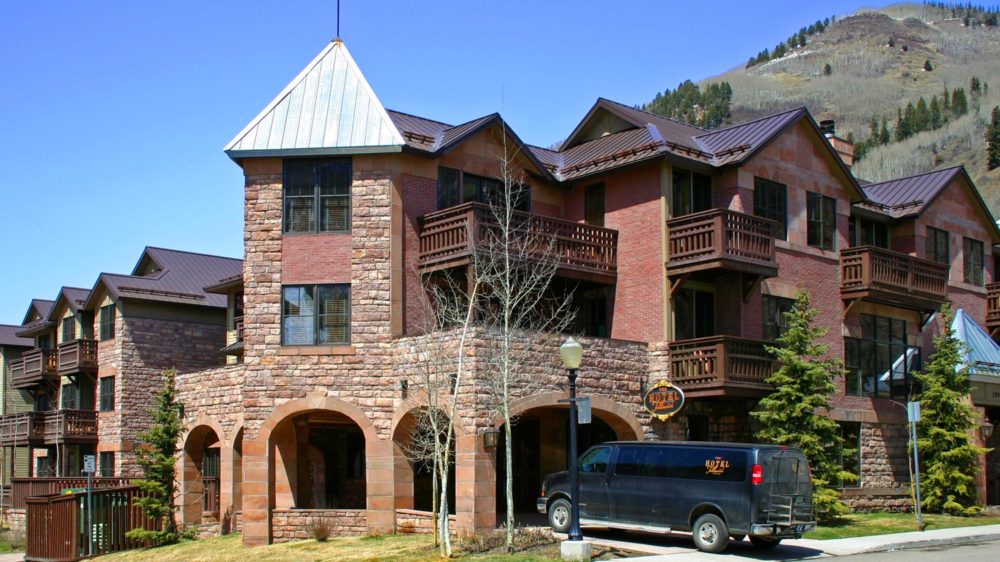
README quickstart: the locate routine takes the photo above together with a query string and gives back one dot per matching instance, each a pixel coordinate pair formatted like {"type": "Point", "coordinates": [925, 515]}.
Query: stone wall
{"type": "Point", "coordinates": [412, 521]}
{"type": "Point", "coordinates": [294, 524]}
{"type": "Point", "coordinates": [213, 393]}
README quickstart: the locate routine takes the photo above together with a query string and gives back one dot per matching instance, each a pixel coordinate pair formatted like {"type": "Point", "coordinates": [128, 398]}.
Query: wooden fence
{"type": "Point", "coordinates": [23, 488]}
{"type": "Point", "coordinates": [58, 524]}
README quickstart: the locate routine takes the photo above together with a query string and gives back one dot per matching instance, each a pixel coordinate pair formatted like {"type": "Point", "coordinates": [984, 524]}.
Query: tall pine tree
{"type": "Point", "coordinates": [794, 413]}
{"type": "Point", "coordinates": [993, 140]}
{"type": "Point", "coordinates": [949, 458]}
{"type": "Point", "coordinates": [157, 455]}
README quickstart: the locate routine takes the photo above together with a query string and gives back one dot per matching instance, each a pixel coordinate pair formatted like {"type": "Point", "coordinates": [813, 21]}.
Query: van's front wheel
{"type": "Point", "coordinates": [710, 533]}
{"type": "Point", "coordinates": [560, 518]}
{"type": "Point", "coordinates": [764, 542]}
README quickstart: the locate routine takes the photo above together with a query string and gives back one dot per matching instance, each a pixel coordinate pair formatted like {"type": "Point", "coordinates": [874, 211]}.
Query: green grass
{"type": "Point", "coordinates": [865, 524]}
{"type": "Point", "coordinates": [388, 548]}
{"type": "Point", "coordinates": [5, 542]}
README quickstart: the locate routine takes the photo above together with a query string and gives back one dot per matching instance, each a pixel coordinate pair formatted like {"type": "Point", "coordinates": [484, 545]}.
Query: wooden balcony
{"type": "Point", "coordinates": [585, 252]}
{"type": "Point", "coordinates": [240, 327]}
{"type": "Point", "coordinates": [720, 239]}
{"type": "Point", "coordinates": [70, 426]}
{"type": "Point", "coordinates": [40, 365]}
{"type": "Point", "coordinates": [993, 308]}
{"type": "Point", "coordinates": [888, 277]}
{"type": "Point", "coordinates": [721, 366]}
{"type": "Point", "coordinates": [22, 429]}
{"type": "Point", "coordinates": [16, 371]}
{"type": "Point", "coordinates": [78, 356]}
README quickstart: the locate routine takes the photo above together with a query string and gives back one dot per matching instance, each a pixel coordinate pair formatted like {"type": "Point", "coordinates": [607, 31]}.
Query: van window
{"type": "Point", "coordinates": [596, 461]}
{"type": "Point", "coordinates": [630, 461]}
{"type": "Point", "coordinates": [709, 464]}
{"type": "Point", "coordinates": [656, 462]}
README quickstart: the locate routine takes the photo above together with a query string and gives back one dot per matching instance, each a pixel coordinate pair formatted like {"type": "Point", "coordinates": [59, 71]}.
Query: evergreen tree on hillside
{"type": "Point", "coordinates": [793, 414]}
{"type": "Point", "coordinates": [959, 104]}
{"type": "Point", "coordinates": [921, 116]}
{"type": "Point", "coordinates": [935, 113]}
{"type": "Point", "coordinates": [975, 88]}
{"type": "Point", "coordinates": [950, 459]}
{"type": "Point", "coordinates": [884, 136]}
{"type": "Point", "coordinates": [993, 140]}
{"type": "Point", "coordinates": [688, 103]}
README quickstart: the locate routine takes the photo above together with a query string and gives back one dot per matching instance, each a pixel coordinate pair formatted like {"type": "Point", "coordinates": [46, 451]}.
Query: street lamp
{"type": "Point", "coordinates": [571, 353]}
{"type": "Point", "coordinates": [986, 430]}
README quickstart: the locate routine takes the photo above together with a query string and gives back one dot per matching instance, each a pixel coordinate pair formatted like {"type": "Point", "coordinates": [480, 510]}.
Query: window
{"type": "Point", "coordinates": [593, 205]}
{"type": "Point", "coordinates": [592, 315]}
{"type": "Point", "coordinates": [456, 187]}
{"type": "Point", "coordinates": [68, 329]}
{"type": "Point", "coordinates": [107, 394]}
{"type": "Point", "coordinates": [694, 314]}
{"type": "Point", "coordinates": [821, 224]}
{"type": "Point", "coordinates": [937, 248]}
{"type": "Point", "coordinates": [595, 461]}
{"type": "Point", "coordinates": [106, 464]}
{"type": "Point", "coordinates": [629, 461]}
{"type": "Point", "coordinates": [708, 464]}
{"type": "Point", "coordinates": [770, 200]}
{"type": "Point", "coordinates": [317, 195]}
{"type": "Point", "coordinates": [211, 463]}
{"type": "Point", "coordinates": [107, 322]}
{"type": "Point", "coordinates": [972, 250]}
{"type": "Point", "coordinates": [880, 363]}
{"type": "Point", "coordinates": [850, 432]}
{"type": "Point", "coordinates": [316, 315]}
{"type": "Point", "coordinates": [775, 322]}
{"type": "Point", "coordinates": [70, 397]}
{"type": "Point", "coordinates": [864, 232]}
{"type": "Point", "coordinates": [692, 193]}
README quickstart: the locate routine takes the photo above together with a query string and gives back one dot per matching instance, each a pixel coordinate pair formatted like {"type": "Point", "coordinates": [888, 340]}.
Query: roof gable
{"type": "Point", "coordinates": [328, 108]}
{"type": "Point", "coordinates": [72, 298]}
{"type": "Point", "coordinates": [608, 117]}
{"type": "Point", "coordinates": [38, 310]}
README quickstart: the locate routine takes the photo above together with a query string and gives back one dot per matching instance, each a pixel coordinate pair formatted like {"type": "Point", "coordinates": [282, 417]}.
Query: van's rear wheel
{"type": "Point", "coordinates": [764, 542]}
{"type": "Point", "coordinates": [710, 533]}
{"type": "Point", "coordinates": [559, 515]}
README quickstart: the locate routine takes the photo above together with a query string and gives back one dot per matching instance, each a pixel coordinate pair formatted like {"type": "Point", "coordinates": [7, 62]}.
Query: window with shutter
{"type": "Point", "coordinates": [770, 200]}
{"type": "Point", "coordinates": [821, 220]}
{"type": "Point", "coordinates": [317, 195]}
{"type": "Point", "coordinates": [936, 248]}
{"type": "Point", "coordinates": [316, 315]}
{"type": "Point", "coordinates": [107, 391]}
{"type": "Point", "coordinates": [68, 329]}
{"type": "Point", "coordinates": [107, 322]}
{"type": "Point", "coordinates": [973, 252]}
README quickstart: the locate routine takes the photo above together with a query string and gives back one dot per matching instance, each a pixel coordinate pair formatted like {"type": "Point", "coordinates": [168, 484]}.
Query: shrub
{"type": "Point", "coordinates": [320, 530]}
{"type": "Point", "coordinates": [524, 538]}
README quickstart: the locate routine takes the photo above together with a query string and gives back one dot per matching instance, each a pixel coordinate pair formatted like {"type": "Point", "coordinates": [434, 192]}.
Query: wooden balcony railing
{"type": "Point", "coordinates": [210, 495]}
{"type": "Point", "coordinates": [721, 239]}
{"type": "Point", "coordinates": [22, 428]}
{"type": "Point", "coordinates": [70, 426]}
{"type": "Point", "coordinates": [39, 364]}
{"type": "Point", "coordinates": [721, 366]}
{"type": "Point", "coordinates": [448, 238]}
{"type": "Point", "coordinates": [22, 488]}
{"type": "Point", "coordinates": [993, 306]}
{"type": "Point", "coordinates": [78, 356]}
{"type": "Point", "coordinates": [58, 524]}
{"type": "Point", "coordinates": [16, 371]}
{"type": "Point", "coordinates": [239, 326]}
{"type": "Point", "coordinates": [881, 275]}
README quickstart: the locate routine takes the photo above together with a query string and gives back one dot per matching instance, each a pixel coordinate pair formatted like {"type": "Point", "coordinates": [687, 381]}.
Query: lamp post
{"type": "Point", "coordinates": [571, 353]}
{"type": "Point", "coordinates": [986, 431]}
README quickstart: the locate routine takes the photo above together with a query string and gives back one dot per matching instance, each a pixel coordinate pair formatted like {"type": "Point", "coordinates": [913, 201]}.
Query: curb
{"type": "Point", "coordinates": [917, 544]}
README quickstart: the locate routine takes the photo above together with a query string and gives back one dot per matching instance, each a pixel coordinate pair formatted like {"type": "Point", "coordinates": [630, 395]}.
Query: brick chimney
{"type": "Point", "coordinates": [843, 147]}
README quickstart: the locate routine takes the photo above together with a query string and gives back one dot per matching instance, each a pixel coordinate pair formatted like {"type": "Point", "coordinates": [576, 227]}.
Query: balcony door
{"type": "Point", "coordinates": [690, 193]}
{"type": "Point", "coordinates": [694, 314]}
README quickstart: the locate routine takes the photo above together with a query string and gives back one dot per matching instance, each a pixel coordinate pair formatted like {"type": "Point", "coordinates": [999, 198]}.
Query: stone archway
{"type": "Point", "coordinates": [271, 476]}
{"type": "Point", "coordinates": [413, 475]}
{"type": "Point", "coordinates": [201, 471]}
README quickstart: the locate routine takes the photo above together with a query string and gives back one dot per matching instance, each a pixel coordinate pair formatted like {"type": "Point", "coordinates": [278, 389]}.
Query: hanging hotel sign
{"type": "Point", "coordinates": [663, 400]}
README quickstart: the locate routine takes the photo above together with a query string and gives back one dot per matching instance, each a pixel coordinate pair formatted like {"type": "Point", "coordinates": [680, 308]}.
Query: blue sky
{"type": "Point", "coordinates": [114, 114]}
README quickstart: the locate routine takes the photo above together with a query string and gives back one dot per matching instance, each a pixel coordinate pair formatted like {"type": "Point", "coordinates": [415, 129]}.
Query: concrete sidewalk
{"type": "Point", "coordinates": [808, 548]}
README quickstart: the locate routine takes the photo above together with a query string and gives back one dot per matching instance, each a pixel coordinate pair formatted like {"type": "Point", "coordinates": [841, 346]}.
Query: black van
{"type": "Point", "coordinates": [714, 490]}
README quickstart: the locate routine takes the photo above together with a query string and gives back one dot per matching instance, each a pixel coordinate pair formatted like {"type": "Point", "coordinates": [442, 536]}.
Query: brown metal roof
{"type": "Point", "coordinates": [733, 144]}
{"type": "Point", "coordinates": [9, 337]}
{"type": "Point", "coordinates": [672, 131]}
{"type": "Point", "coordinates": [41, 307]}
{"type": "Point", "coordinates": [910, 195]}
{"type": "Point", "coordinates": [176, 277]}
{"type": "Point", "coordinates": [610, 151]}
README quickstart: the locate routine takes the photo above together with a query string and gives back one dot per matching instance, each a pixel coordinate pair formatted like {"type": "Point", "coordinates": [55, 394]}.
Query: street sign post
{"type": "Point", "coordinates": [89, 468]}
{"type": "Point", "coordinates": [913, 416]}
{"type": "Point", "coordinates": [583, 408]}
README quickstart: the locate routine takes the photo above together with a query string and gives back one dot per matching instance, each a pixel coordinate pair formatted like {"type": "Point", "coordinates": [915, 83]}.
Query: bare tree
{"type": "Point", "coordinates": [515, 261]}
{"type": "Point", "coordinates": [449, 307]}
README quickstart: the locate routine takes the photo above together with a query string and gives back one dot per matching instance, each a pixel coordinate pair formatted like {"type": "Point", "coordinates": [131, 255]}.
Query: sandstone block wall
{"type": "Point", "coordinates": [295, 524]}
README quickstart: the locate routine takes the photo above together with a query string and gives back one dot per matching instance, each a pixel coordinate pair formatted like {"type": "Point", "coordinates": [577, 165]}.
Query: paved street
{"type": "Point", "coordinates": [980, 552]}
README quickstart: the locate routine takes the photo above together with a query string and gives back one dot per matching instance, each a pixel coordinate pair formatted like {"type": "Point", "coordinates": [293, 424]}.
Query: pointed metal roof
{"type": "Point", "coordinates": [982, 354]}
{"type": "Point", "coordinates": [329, 108]}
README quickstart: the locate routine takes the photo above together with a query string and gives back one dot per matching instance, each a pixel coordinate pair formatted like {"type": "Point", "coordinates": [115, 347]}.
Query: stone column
{"type": "Point", "coordinates": [258, 474]}
{"type": "Point", "coordinates": [475, 486]}
{"type": "Point", "coordinates": [380, 485]}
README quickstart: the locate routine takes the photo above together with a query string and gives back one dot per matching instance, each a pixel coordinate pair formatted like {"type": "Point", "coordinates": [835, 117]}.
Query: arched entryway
{"type": "Point", "coordinates": [540, 438]}
{"type": "Point", "coordinates": [202, 466]}
{"type": "Point", "coordinates": [414, 462]}
{"type": "Point", "coordinates": [319, 461]}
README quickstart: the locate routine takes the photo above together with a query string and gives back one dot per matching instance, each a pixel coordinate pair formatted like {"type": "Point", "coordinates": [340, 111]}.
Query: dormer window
{"type": "Point", "coordinates": [68, 329]}
{"type": "Point", "coordinates": [317, 195]}
{"type": "Point", "coordinates": [456, 187]}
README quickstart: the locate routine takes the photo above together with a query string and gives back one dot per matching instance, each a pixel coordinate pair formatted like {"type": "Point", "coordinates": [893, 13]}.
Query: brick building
{"type": "Point", "coordinates": [681, 249]}
{"type": "Point", "coordinates": [80, 371]}
{"type": "Point", "coordinates": [684, 247]}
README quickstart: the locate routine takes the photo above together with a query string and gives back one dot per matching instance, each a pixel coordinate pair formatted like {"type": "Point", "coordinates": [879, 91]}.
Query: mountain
{"type": "Point", "coordinates": [878, 62]}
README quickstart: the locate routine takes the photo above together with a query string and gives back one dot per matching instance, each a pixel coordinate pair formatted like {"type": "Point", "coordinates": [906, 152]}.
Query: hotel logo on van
{"type": "Point", "coordinates": [717, 466]}
{"type": "Point", "coordinates": [663, 400]}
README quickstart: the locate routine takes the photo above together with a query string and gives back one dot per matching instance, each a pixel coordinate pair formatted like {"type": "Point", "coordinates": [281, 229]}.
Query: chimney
{"type": "Point", "coordinates": [843, 147]}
